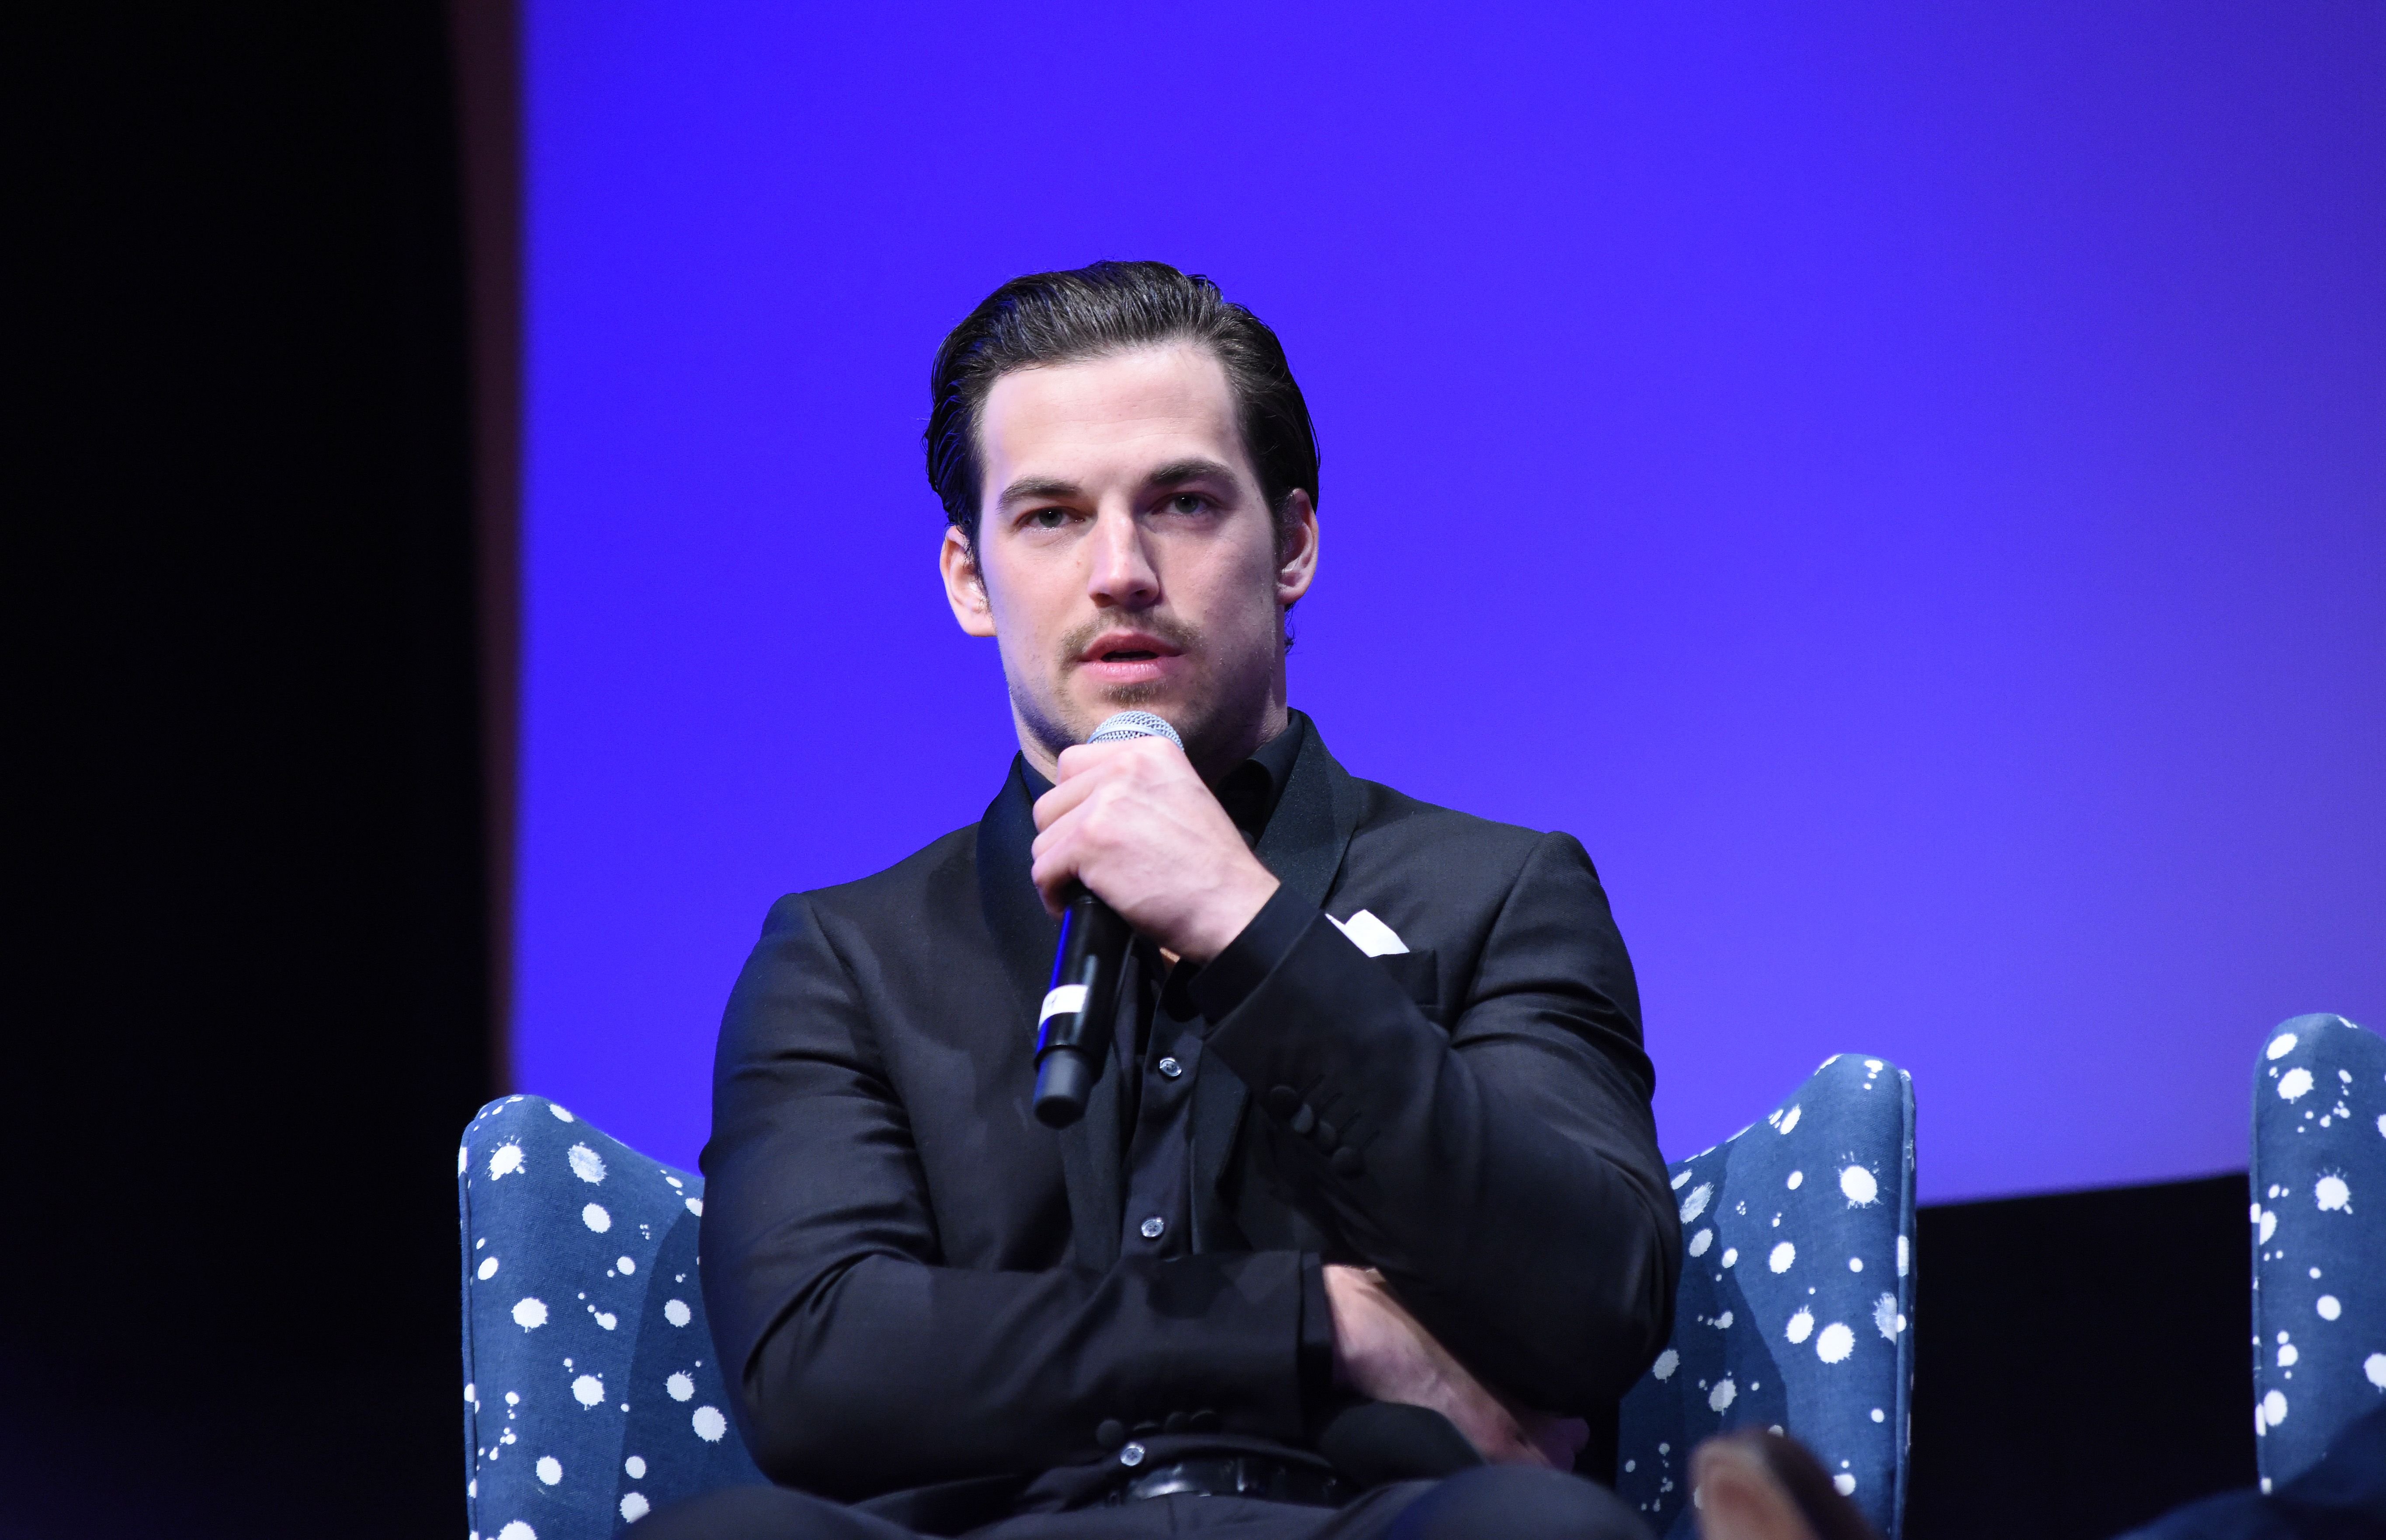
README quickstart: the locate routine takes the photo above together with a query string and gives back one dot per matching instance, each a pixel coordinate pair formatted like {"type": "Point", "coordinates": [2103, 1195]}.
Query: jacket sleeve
{"type": "Point", "coordinates": [1503, 1174]}
{"type": "Point", "coordinates": [860, 1364]}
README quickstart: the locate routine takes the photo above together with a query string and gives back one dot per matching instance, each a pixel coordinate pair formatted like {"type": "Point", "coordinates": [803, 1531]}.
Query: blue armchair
{"type": "Point", "coordinates": [2318, 1180]}
{"type": "Point", "coordinates": [592, 1395]}
{"type": "Point", "coordinates": [1796, 1305]}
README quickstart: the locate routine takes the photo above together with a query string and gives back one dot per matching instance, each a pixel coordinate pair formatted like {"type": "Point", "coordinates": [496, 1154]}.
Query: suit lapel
{"type": "Point", "coordinates": [1303, 844]}
{"type": "Point", "coordinates": [1026, 936]}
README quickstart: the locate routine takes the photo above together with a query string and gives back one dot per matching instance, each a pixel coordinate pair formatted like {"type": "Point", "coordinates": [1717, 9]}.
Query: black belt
{"type": "Point", "coordinates": [1272, 1480]}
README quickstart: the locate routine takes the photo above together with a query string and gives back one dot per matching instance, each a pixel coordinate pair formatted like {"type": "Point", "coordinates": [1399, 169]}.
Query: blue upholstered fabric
{"type": "Point", "coordinates": [591, 1394]}
{"type": "Point", "coordinates": [2318, 1178]}
{"type": "Point", "coordinates": [1797, 1297]}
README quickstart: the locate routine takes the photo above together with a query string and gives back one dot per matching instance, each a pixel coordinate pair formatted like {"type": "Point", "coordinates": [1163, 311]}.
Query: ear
{"type": "Point", "coordinates": [1297, 567]}
{"type": "Point", "coordinates": [964, 584]}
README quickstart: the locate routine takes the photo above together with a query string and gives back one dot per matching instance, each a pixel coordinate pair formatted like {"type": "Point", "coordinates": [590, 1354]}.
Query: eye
{"type": "Point", "coordinates": [1045, 519]}
{"type": "Point", "coordinates": [1188, 502]}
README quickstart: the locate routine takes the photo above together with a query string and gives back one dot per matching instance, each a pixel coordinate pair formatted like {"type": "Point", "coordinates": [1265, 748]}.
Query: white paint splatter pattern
{"type": "Point", "coordinates": [2315, 1165]}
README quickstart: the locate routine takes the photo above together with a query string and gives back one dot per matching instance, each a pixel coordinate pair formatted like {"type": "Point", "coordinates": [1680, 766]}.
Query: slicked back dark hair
{"type": "Point", "coordinates": [1060, 318]}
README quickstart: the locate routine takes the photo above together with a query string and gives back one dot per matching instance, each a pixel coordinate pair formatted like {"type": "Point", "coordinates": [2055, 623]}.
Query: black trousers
{"type": "Point", "coordinates": [1489, 1502]}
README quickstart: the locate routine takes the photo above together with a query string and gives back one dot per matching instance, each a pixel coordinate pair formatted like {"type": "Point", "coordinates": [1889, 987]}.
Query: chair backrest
{"type": "Point", "coordinates": [1796, 1302]}
{"type": "Point", "coordinates": [2318, 1181]}
{"type": "Point", "coordinates": [592, 1395]}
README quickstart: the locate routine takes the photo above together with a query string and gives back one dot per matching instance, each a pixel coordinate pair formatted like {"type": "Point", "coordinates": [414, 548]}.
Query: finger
{"type": "Point", "coordinates": [1078, 759]}
{"type": "Point", "coordinates": [1064, 795]}
{"type": "Point", "coordinates": [1055, 865]}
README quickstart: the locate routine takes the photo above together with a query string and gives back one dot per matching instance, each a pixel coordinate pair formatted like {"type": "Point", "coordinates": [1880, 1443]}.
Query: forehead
{"type": "Point", "coordinates": [1119, 411]}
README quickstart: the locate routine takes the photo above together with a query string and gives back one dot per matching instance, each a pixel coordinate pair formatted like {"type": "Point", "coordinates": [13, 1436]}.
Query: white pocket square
{"type": "Point", "coordinates": [1370, 935]}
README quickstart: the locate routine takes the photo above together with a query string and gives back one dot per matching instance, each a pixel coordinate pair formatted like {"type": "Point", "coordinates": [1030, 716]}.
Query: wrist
{"type": "Point", "coordinates": [1229, 910]}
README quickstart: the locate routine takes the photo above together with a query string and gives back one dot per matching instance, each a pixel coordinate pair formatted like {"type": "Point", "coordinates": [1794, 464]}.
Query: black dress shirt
{"type": "Point", "coordinates": [1157, 1054]}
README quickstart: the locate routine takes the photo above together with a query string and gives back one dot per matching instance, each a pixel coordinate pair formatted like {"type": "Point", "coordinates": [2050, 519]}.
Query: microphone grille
{"type": "Point", "coordinates": [1135, 725]}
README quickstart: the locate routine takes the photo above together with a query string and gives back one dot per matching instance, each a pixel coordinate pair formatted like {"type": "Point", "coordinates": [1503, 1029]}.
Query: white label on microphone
{"type": "Point", "coordinates": [1066, 1000]}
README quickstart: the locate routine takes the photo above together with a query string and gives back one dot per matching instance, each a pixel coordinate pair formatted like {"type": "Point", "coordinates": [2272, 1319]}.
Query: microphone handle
{"type": "Point", "coordinates": [1080, 1013]}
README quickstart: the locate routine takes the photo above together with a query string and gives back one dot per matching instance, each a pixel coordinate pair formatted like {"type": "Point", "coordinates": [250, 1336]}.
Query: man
{"type": "Point", "coordinates": [1364, 1229]}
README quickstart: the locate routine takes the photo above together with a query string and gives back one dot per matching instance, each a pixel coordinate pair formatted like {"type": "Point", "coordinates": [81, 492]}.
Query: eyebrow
{"type": "Point", "coordinates": [1038, 488]}
{"type": "Point", "coordinates": [1191, 469]}
{"type": "Point", "coordinates": [1035, 489]}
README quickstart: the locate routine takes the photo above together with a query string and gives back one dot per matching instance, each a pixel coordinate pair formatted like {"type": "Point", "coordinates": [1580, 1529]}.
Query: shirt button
{"type": "Point", "coordinates": [1170, 1068]}
{"type": "Point", "coordinates": [1302, 1121]}
{"type": "Point", "coordinates": [1132, 1455]}
{"type": "Point", "coordinates": [1153, 1227]}
{"type": "Point", "coordinates": [1345, 1162]}
{"type": "Point", "coordinates": [1111, 1433]}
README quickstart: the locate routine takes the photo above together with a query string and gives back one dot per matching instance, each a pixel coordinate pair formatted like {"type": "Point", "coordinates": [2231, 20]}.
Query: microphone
{"type": "Point", "coordinates": [1080, 1013]}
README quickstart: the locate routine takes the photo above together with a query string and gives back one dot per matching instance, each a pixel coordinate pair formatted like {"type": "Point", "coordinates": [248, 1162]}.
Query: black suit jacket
{"type": "Point", "coordinates": [914, 1283]}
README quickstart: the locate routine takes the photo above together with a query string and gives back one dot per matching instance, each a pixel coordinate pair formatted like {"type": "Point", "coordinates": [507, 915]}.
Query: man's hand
{"type": "Point", "coordinates": [1134, 822]}
{"type": "Point", "coordinates": [1382, 1353]}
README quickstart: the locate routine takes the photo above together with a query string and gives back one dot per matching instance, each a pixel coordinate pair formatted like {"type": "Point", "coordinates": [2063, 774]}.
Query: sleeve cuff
{"type": "Point", "coordinates": [1319, 1399]}
{"type": "Point", "coordinates": [1227, 980]}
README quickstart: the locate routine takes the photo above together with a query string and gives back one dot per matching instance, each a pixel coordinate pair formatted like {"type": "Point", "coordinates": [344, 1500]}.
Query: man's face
{"type": "Point", "coordinates": [1125, 557]}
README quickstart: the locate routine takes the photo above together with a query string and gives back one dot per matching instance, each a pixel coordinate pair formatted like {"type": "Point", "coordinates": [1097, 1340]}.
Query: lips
{"type": "Point", "coordinates": [1126, 647]}
{"type": "Point", "coordinates": [1121, 658]}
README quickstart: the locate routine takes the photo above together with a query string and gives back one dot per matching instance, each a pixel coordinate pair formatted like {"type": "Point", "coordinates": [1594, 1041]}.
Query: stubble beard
{"type": "Point", "coordinates": [1209, 714]}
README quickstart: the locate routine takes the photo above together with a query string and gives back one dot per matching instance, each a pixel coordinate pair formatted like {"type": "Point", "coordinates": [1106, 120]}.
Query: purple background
{"type": "Point", "coordinates": [1903, 484]}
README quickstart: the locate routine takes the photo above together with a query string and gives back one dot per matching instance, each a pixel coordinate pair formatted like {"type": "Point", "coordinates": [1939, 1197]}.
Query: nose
{"type": "Point", "coordinates": [1121, 573]}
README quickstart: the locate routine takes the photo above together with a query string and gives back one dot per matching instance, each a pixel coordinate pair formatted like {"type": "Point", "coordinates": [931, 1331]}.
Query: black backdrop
{"type": "Point", "coordinates": [247, 984]}
{"type": "Point", "coordinates": [246, 1009]}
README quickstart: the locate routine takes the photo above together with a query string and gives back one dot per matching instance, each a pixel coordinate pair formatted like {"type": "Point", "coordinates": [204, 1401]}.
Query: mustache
{"type": "Point", "coordinates": [1181, 634]}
